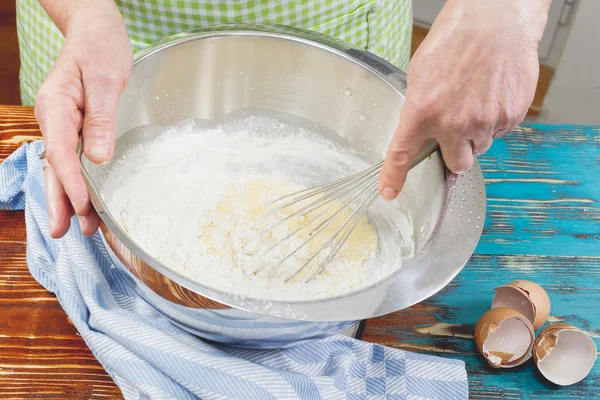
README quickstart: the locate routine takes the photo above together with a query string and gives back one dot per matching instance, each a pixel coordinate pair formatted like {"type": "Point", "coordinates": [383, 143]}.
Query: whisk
{"type": "Point", "coordinates": [353, 194]}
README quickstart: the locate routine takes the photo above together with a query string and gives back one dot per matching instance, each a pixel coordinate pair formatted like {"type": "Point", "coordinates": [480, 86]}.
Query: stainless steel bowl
{"type": "Point", "coordinates": [210, 73]}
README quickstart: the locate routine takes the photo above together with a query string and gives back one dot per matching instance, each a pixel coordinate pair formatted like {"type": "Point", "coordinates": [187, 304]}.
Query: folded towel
{"type": "Point", "coordinates": [150, 356]}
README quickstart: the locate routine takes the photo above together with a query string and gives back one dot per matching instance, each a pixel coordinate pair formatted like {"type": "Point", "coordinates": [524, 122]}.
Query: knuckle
{"type": "Point", "coordinates": [481, 120]}
{"type": "Point", "coordinates": [482, 147]}
{"type": "Point", "coordinates": [506, 116]}
{"type": "Point", "coordinates": [97, 123]}
{"type": "Point", "coordinates": [392, 178]}
{"type": "Point", "coordinates": [43, 99]}
{"type": "Point", "coordinates": [55, 152]}
{"type": "Point", "coordinates": [109, 79]}
{"type": "Point", "coordinates": [458, 124]}
{"type": "Point", "coordinates": [103, 79]}
{"type": "Point", "coordinates": [425, 109]}
{"type": "Point", "coordinates": [399, 157]}
{"type": "Point", "coordinates": [51, 154]}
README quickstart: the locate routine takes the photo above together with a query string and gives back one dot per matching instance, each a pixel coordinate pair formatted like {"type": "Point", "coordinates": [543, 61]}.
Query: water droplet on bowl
{"type": "Point", "coordinates": [348, 92]}
{"type": "Point", "coordinates": [374, 104]}
{"type": "Point", "coordinates": [362, 117]}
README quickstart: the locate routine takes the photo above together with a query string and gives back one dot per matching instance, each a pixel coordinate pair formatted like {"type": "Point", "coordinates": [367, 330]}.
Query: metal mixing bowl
{"type": "Point", "coordinates": [210, 73]}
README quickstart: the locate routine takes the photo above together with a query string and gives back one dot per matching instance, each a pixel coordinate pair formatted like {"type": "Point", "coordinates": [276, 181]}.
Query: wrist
{"type": "Point", "coordinates": [70, 15]}
{"type": "Point", "coordinates": [530, 16]}
{"type": "Point", "coordinates": [89, 15]}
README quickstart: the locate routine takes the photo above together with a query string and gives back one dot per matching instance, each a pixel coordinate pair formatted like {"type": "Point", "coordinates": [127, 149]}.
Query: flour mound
{"type": "Point", "coordinates": [191, 196]}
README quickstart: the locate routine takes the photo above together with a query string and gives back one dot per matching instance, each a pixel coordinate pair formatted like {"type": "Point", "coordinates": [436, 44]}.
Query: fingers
{"type": "Point", "coordinates": [58, 113]}
{"type": "Point", "coordinates": [60, 136]}
{"type": "Point", "coordinates": [458, 155]}
{"type": "Point", "coordinates": [60, 210]}
{"type": "Point", "coordinates": [89, 223]}
{"type": "Point", "coordinates": [405, 145]}
{"type": "Point", "coordinates": [59, 207]}
{"type": "Point", "coordinates": [102, 94]}
{"type": "Point", "coordinates": [482, 144]}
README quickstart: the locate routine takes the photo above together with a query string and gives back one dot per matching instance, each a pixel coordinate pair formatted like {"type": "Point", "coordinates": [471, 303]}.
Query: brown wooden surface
{"type": "Point", "coordinates": [41, 354]}
{"type": "Point", "coordinates": [9, 54]}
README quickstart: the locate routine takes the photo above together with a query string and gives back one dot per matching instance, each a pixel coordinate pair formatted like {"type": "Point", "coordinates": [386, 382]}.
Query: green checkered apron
{"type": "Point", "coordinates": [380, 26]}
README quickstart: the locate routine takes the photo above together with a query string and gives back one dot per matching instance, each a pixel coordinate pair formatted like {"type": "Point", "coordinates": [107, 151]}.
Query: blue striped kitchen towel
{"type": "Point", "coordinates": [151, 357]}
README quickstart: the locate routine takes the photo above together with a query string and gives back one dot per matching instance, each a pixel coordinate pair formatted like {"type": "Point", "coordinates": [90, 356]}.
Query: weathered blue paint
{"type": "Point", "coordinates": [543, 224]}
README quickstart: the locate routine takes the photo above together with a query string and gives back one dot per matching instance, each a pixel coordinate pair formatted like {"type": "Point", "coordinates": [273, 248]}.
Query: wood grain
{"type": "Point", "coordinates": [41, 353]}
{"type": "Point", "coordinates": [9, 54]}
{"type": "Point", "coordinates": [543, 224]}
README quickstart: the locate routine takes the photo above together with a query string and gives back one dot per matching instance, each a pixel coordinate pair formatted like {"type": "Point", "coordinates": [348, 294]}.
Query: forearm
{"type": "Point", "coordinates": [530, 15]}
{"type": "Point", "coordinates": [66, 13]}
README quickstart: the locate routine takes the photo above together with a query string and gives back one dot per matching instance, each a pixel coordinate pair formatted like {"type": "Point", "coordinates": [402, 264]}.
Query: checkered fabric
{"type": "Point", "coordinates": [150, 356]}
{"type": "Point", "coordinates": [380, 26]}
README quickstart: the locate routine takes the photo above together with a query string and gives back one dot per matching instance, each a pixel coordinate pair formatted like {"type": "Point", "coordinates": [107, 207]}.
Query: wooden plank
{"type": "Point", "coordinates": [41, 353]}
{"type": "Point", "coordinates": [9, 54]}
{"type": "Point", "coordinates": [542, 225]}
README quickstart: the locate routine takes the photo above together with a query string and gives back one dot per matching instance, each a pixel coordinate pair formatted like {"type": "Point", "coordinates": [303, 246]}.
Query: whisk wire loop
{"type": "Point", "coordinates": [355, 193]}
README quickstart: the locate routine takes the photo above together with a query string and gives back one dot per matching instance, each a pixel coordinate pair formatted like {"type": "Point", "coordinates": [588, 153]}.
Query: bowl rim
{"type": "Point", "coordinates": [382, 297]}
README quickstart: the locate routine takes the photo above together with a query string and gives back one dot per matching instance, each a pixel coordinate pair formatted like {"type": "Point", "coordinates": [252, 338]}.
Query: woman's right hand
{"type": "Point", "coordinates": [81, 94]}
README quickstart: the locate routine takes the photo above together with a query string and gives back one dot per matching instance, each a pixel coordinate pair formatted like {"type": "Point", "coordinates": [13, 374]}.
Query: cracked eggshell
{"type": "Point", "coordinates": [564, 354]}
{"type": "Point", "coordinates": [504, 337]}
{"type": "Point", "coordinates": [529, 298]}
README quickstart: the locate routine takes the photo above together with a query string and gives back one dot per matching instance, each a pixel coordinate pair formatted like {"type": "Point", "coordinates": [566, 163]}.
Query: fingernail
{"type": "Point", "coordinates": [99, 150]}
{"type": "Point", "coordinates": [389, 193]}
{"type": "Point", "coordinates": [51, 221]}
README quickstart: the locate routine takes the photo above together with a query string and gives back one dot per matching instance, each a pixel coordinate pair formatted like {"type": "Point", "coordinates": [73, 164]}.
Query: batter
{"type": "Point", "coordinates": [195, 199]}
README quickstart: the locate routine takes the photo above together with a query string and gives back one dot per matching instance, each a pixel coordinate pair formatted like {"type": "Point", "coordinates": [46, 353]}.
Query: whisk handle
{"type": "Point", "coordinates": [430, 147]}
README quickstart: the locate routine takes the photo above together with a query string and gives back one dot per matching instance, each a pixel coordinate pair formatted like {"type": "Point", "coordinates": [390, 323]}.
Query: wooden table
{"type": "Point", "coordinates": [543, 224]}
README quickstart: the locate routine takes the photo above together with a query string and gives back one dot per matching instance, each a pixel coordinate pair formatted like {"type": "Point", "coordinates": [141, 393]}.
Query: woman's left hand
{"type": "Point", "coordinates": [472, 79]}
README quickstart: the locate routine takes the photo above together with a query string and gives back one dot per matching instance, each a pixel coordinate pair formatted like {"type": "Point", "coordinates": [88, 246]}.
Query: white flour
{"type": "Point", "coordinates": [190, 197]}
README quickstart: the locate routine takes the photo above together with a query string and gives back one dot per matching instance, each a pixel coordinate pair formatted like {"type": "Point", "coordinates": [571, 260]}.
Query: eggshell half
{"type": "Point", "coordinates": [529, 298]}
{"type": "Point", "coordinates": [564, 354]}
{"type": "Point", "coordinates": [504, 337]}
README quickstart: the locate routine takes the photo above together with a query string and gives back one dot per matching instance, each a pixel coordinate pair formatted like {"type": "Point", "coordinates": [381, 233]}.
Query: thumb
{"type": "Point", "coordinates": [404, 148]}
{"type": "Point", "coordinates": [102, 93]}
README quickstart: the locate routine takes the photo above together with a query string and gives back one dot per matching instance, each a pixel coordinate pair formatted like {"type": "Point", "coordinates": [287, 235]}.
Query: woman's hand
{"type": "Point", "coordinates": [81, 94]}
{"type": "Point", "coordinates": [471, 80]}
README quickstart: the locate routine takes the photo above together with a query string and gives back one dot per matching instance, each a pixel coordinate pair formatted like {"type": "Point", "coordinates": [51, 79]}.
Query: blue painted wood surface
{"type": "Point", "coordinates": [543, 225]}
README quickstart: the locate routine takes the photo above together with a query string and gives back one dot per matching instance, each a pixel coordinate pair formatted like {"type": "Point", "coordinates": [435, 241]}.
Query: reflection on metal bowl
{"type": "Point", "coordinates": [208, 74]}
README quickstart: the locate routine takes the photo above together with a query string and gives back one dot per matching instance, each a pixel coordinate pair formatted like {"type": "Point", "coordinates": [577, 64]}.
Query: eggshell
{"type": "Point", "coordinates": [529, 298]}
{"type": "Point", "coordinates": [564, 354]}
{"type": "Point", "coordinates": [504, 337]}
